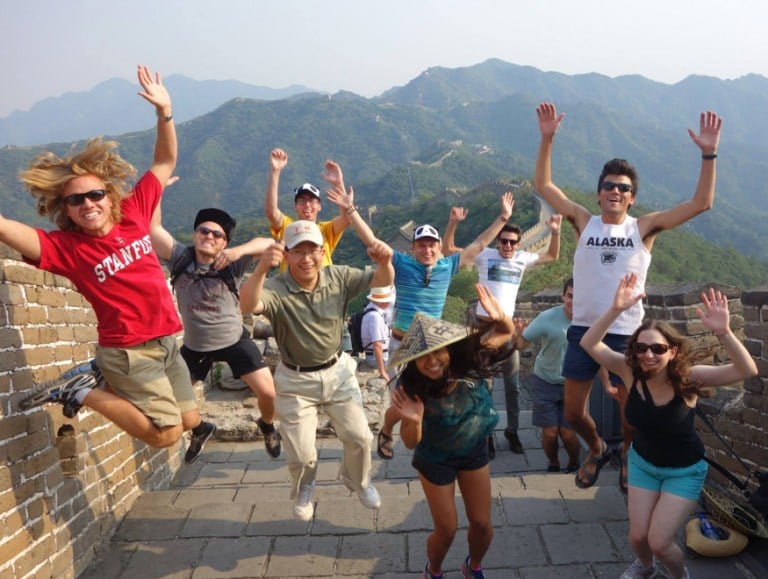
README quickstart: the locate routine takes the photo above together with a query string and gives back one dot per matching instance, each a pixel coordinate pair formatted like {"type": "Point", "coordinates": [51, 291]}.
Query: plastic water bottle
{"type": "Point", "coordinates": [707, 528]}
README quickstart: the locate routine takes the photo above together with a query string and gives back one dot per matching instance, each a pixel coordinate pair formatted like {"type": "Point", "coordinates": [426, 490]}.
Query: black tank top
{"type": "Point", "coordinates": [664, 435]}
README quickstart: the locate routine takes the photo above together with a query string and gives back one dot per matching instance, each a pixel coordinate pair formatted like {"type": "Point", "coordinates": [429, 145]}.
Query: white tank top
{"type": "Point", "coordinates": [604, 253]}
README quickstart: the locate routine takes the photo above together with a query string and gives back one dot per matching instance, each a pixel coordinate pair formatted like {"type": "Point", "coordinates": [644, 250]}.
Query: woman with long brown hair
{"type": "Point", "coordinates": [666, 459]}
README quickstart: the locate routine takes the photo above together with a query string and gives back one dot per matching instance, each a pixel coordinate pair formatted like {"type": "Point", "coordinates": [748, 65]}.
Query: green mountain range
{"type": "Point", "coordinates": [454, 129]}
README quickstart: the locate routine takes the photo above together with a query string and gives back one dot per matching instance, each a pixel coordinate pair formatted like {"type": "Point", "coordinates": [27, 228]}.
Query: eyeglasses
{"type": "Point", "coordinates": [79, 198]}
{"type": "Point", "coordinates": [505, 241]}
{"type": "Point", "coordinates": [610, 186]}
{"type": "Point", "coordinates": [203, 230]}
{"type": "Point", "coordinates": [302, 253]}
{"type": "Point", "coordinates": [306, 200]}
{"type": "Point", "coordinates": [657, 349]}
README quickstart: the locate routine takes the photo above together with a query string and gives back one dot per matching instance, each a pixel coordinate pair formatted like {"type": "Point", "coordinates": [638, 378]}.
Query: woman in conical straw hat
{"type": "Point", "coordinates": [447, 413]}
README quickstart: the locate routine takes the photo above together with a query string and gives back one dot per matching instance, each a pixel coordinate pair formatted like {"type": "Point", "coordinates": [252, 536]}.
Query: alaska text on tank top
{"type": "Point", "coordinates": [604, 253]}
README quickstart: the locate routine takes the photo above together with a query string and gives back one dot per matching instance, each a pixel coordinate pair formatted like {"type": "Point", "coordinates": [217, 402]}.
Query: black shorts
{"type": "Point", "coordinates": [243, 357]}
{"type": "Point", "coordinates": [444, 472]}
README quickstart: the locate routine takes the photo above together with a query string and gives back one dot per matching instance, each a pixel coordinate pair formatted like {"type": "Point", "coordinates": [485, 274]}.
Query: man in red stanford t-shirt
{"type": "Point", "coordinates": [103, 247]}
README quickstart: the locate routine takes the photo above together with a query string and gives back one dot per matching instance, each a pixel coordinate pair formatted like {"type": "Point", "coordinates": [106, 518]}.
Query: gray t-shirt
{"type": "Point", "coordinates": [209, 311]}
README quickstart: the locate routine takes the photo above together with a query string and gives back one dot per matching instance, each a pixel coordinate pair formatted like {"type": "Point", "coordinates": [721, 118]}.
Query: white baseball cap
{"type": "Point", "coordinates": [300, 231]}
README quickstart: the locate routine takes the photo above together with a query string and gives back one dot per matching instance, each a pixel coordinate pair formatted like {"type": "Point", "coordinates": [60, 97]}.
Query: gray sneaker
{"type": "Point", "coordinates": [196, 443]}
{"type": "Point", "coordinates": [303, 509]}
{"type": "Point", "coordinates": [63, 391]}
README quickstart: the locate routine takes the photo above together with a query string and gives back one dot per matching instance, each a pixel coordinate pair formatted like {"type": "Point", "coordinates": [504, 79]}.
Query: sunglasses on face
{"type": "Point", "coordinates": [79, 198]}
{"type": "Point", "coordinates": [511, 242]}
{"type": "Point", "coordinates": [203, 230]}
{"type": "Point", "coordinates": [657, 349]}
{"type": "Point", "coordinates": [610, 186]}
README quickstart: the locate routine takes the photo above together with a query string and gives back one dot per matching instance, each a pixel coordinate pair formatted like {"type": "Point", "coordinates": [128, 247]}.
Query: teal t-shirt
{"type": "Point", "coordinates": [549, 328]}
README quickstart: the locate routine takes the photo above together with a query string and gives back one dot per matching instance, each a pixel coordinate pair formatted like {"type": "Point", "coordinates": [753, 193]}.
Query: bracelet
{"type": "Point", "coordinates": [504, 219]}
{"type": "Point", "coordinates": [721, 336]}
{"type": "Point", "coordinates": [709, 156]}
{"type": "Point", "coordinates": [554, 233]}
{"type": "Point", "coordinates": [350, 210]}
{"type": "Point", "coordinates": [165, 118]}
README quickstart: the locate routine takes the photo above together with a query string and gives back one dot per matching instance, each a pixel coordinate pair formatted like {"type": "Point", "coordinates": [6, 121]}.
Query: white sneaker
{"type": "Point", "coordinates": [639, 571]}
{"type": "Point", "coordinates": [369, 497]}
{"type": "Point", "coordinates": [303, 508]}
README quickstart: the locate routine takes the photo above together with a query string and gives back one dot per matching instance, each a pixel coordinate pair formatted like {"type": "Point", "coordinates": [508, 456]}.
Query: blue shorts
{"type": "Point", "coordinates": [578, 365]}
{"type": "Point", "coordinates": [444, 472]}
{"type": "Point", "coordinates": [685, 481]}
{"type": "Point", "coordinates": [547, 403]}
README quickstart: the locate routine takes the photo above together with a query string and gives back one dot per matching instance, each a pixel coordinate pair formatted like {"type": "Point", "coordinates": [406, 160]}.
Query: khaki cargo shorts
{"type": "Point", "coordinates": [152, 376]}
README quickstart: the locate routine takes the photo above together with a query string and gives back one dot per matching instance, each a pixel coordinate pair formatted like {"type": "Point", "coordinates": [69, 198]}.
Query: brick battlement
{"type": "Point", "coordinates": [66, 484]}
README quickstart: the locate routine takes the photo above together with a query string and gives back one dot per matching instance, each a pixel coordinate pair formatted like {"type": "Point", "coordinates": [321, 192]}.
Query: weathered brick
{"type": "Point", "coordinates": [30, 444]}
{"type": "Point", "coordinates": [37, 315]}
{"type": "Point", "coordinates": [33, 557]}
{"type": "Point", "coordinates": [39, 356]}
{"type": "Point", "coordinates": [63, 352]}
{"type": "Point", "coordinates": [10, 338]}
{"type": "Point", "coordinates": [13, 546]}
{"type": "Point", "coordinates": [70, 446]}
{"type": "Point", "coordinates": [11, 294]}
{"type": "Point", "coordinates": [17, 315]}
{"type": "Point", "coordinates": [12, 426]}
{"type": "Point", "coordinates": [23, 274]}
{"type": "Point", "coordinates": [52, 298]}
{"type": "Point", "coordinates": [86, 334]}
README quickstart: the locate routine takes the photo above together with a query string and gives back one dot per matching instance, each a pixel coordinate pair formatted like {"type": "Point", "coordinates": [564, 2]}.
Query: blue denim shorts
{"type": "Point", "coordinates": [578, 365]}
{"type": "Point", "coordinates": [685, 481]}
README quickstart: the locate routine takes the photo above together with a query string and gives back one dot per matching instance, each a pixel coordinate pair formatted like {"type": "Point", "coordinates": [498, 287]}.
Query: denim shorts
{"type": "Point", "coordinates": [547, 403]}
{"type": "Point", "coordinates": [684, 481]}
{"type": "Point", "coordinates": [578, 365]}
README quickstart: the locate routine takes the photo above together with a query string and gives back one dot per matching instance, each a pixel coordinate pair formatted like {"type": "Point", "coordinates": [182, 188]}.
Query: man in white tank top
{"type": "Point", "coordinates": [610, 245]}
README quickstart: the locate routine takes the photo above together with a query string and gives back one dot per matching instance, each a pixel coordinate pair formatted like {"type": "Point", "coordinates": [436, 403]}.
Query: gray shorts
{"type": "Point", "coordinates": [548, 408]}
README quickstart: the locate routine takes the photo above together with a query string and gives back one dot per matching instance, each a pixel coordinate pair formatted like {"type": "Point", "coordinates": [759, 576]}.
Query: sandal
{"type": "Point", "coordinates": [385, 446]}
{"type": "Point", "coordinates": [597, 462]}
{"type": "Point", "coordinates": [623, 472]}
{"type": "Point", "coordinates": [572, 467]}
{"type": "Point", "coordinates": [553, 467]}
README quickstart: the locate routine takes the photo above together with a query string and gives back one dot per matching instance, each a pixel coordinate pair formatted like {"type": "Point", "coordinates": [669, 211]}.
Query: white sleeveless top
{"type": "Point", "coordinates": [604, 253]}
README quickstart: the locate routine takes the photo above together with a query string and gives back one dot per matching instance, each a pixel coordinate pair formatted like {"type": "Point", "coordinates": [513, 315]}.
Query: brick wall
{"type": "Point", "coordinates": [64, 484]}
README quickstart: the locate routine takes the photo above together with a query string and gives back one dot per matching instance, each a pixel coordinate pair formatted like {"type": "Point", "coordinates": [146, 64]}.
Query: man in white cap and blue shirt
{"type": "Point", "coordinates": [307, 305]}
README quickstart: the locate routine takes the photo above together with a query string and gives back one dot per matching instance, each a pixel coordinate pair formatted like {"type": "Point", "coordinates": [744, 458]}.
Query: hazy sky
{"type": "Point", "coordinates": [52, 47]}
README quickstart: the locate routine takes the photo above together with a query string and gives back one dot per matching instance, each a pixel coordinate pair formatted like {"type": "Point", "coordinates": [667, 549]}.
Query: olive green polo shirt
{"type": "Point", "coordinates": [308, 324]}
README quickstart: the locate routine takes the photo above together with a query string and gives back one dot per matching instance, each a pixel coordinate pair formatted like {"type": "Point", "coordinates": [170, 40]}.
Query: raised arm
{"type": "Point", "coordinates": [553, 252]}
{"type": "Point", "coordinates": [162, 241]}
{"type": "Point", "coordinates": [20, 237]}
{"type": "Point", "coordinates": [448, 246]}
{"type": "Point", "coordinates": [166, 146]}
{"type": "Point", "coordinates": [469, 253]}
{"type": "Point", "coordinates": [381, 253]}
{"type": "Point", "coordinates": [346, 202]}
{"type": "Point", "coordinates": [707, 141]}
{"type": "Point", "coordinates": [592, 342]}
{"type": "Point", "coordinates": [549, 123]}
{"type": "Point", "coordinates": [714, 314]}
{"type": "Point", "coordinates": [255, 248]}
{"type": "Point", "coordinates": [278, 159]}
{"type": "Point", "coordinates": [503, 327]}
{"type": "Point", "coordinates": [335, 178]}
{"type": "Point", "coordinates": [251, 290]}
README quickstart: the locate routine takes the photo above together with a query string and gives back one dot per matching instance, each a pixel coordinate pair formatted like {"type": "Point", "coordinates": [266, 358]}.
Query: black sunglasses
{"type": "Point", "coordinates": [79, 198]}
{"type": "Point", "coordinates": [610, 185]}
{"type": "Point", "coordinates": [427, 276]}
{"type": "Point", "coordinates": [657, 349]}
{"type": "Point", "coordinates": [203, 230]}
{"type": "Point", "coordinates": [508, 241]}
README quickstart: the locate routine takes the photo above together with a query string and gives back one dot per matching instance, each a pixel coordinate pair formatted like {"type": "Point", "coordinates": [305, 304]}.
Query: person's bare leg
{"type": "Point", "coordinates": [133, 421]}
{"type": "Point", "coordinates": [575, 407]}
{"type": "Point", "coordinates": [263, 386]}
{"type": "Point", "coordinates": [442, 505]}
{"type": "Point", "coordinates": [475, 487]}
{"type": "Point", "coordinates": [549, 444]}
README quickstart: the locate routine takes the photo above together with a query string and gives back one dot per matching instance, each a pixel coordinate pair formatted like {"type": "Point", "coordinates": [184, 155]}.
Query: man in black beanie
{"type": "Point", "coordinates": [206, 276]}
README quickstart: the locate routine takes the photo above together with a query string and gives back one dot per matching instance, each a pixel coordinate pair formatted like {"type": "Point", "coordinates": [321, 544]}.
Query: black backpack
{"type": "Point", "coordinates": [354, 326]}
{"type": "Point", "coordinates": [227, 274]}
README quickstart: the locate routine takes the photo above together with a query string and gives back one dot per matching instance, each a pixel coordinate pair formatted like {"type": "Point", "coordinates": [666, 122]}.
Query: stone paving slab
{"type": "Point", "coordinates": [229, 515]}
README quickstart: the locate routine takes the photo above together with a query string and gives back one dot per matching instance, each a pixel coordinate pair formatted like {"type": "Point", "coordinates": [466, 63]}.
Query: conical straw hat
{"type": "Point", "coordinates": [424, 336]}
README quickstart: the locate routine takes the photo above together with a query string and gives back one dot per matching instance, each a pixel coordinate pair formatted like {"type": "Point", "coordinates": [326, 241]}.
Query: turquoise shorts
{"type": "Point", "coordinates": [685, 481]}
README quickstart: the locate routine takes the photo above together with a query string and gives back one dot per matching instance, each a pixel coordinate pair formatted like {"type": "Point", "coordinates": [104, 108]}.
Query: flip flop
{"type": "Point", "coordinates": [385, 446]}
{"type": "Point", "coordinates": [598, 462]}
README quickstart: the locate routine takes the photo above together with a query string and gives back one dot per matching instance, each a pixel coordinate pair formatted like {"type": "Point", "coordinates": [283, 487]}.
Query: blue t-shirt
{"type": "Point", "coordinates": [418, 289]}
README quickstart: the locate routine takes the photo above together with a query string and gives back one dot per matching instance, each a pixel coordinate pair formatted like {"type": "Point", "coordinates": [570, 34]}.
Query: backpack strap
{"type": "Point", "coordinates": [227, 275]}
{"type": "Point", "coordinates": [368, 309]}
